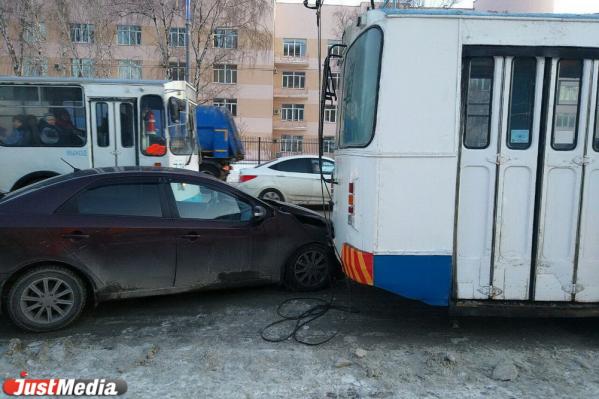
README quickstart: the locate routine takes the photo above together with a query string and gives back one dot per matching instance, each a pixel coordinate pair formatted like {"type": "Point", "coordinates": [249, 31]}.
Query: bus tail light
{"type": "Point", "coordinates": [244, 178]}
{"type": "Point", "coordinates": [350, 199]}
{"type": "Point", "coordinates": [157, 164]}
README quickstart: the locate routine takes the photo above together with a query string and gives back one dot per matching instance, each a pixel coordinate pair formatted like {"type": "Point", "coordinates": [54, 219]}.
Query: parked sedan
{"type": "Point", "coordinates": [294, 179]}
{"type": "Point", "coordinates": [101, 234]}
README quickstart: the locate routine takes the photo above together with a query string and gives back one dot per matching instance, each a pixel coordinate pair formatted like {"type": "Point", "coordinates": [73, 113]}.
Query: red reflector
{"type": "Point", "coordinates": [351, 188]}
{"type": "Point", "coordinates": [158, 164]}
{"type": "Point", "coordinates": [244, 178]}
{"type": "Point", "coordinates": [350, 209]}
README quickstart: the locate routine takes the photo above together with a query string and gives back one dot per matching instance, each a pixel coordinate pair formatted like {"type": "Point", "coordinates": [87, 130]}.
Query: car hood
{"type": "Point", "coordinates": [296, 210]}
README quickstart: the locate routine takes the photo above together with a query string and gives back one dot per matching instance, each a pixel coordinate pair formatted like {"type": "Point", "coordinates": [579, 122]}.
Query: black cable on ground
{"type": "Point", "coordinates": [321, 306]}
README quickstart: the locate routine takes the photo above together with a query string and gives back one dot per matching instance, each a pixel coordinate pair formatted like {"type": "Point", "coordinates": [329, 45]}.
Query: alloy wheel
{"type": "Point", "coordinates": [47, 300]}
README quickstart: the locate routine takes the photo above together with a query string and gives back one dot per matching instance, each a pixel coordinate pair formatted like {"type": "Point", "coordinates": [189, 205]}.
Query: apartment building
{"type": "Point", "coordinates": [273, 89]}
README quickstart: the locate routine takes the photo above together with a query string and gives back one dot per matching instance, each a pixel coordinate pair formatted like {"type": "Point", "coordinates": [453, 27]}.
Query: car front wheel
{"type": "Point", "coordinates": [309, 269]}
{"type": "Point", "coordinates": [46, 298]}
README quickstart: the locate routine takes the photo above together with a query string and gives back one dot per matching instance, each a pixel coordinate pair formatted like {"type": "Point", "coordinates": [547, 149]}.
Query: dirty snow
{"type": "Point", "coordinates": [207, 345]}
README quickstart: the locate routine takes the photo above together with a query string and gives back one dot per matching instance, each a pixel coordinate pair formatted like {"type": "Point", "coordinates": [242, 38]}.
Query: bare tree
{"type": "Point", "coordinates": [252, 36]}
{"type": "Point", "coordinates": [23, 33]}
{"type": "Point", "coordinates": [345, 17]}
{"type": "Point", "coordinates": [99, 14]}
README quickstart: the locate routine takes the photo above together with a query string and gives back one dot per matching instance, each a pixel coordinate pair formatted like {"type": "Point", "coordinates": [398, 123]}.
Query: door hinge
{"type": "Point", "coordinates": [499, 159]}
{"type": "Point", "coordinates": [572, 289]}
{"type": "Point", "coordinates": [490, 291]}
{"type": "Point", "coordinates": [582, 161]}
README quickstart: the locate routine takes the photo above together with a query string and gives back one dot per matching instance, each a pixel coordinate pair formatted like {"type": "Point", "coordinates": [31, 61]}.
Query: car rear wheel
{"type": "Point", "coordinates": [46, 298]}
{"type": "Point", "coordinates": [271, 194]}
{"type": "Point", "coordinates": [309, 269]}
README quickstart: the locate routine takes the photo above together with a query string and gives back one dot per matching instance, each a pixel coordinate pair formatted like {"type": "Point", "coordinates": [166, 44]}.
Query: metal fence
{"type": "Point", "coordinates": [259, 150]}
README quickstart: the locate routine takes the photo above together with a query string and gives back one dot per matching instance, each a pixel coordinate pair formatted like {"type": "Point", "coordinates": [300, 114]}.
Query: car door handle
{"type": "Point", "coordinates": [191, 236]}
{"type": "Point", "coordinates": [76, 236]}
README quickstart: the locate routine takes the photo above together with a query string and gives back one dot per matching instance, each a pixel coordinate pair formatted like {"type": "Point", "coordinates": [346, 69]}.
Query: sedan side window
{"type": "Point", "coordinates": [297, 165]}
{"type": "Point", "coordinates": [196, 201]}
{"type": "Point", "coordinates": [327, 167]}
{"type": "Point", "coordinates": [140, 199]}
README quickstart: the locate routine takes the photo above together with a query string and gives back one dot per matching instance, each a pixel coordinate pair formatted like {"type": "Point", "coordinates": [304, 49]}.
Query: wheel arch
{"type": "Point", "coordinates": [31, 177]}
{"type": "Point", "coordinates": [89, 282]}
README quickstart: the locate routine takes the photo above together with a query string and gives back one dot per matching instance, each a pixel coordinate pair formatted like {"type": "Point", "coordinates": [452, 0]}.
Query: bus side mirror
{"type": "Point", "coordinates": [173, 109]}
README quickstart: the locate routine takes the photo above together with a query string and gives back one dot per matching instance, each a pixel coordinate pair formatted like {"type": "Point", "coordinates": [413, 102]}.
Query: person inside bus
{"type": "Point", "coordinates": [155, 144]}
{"type": "Point", "coordinates": [18, 135]}
{"type": "Point", "coordinates": [49, 132]}
{"type": "Point", "coordinates": [70, 135]}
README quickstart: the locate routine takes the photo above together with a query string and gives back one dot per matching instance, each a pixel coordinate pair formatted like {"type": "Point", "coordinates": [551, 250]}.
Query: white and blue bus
{"type": "Point", "coordinates": [50, 125]}
{"type": "Point", "coordinates": [468, 163]}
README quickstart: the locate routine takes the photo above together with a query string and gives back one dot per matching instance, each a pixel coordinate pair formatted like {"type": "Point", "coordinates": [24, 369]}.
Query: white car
{"type": "Point", "coordinates": [293, 179]}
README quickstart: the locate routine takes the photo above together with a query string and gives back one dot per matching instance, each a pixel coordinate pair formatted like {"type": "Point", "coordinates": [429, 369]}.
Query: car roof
{"type": "Point", "coordinates": [301, 156]}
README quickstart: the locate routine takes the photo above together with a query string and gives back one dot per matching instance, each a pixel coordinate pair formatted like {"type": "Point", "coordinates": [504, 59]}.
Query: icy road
{"type": "Point", "coordinates": [207, 345]}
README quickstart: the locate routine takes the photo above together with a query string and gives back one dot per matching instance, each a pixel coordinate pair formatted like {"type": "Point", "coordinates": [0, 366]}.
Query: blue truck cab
{"type": "Point", "coordinates": [219, 139]}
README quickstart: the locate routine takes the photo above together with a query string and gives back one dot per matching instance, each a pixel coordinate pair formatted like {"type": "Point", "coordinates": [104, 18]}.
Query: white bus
{"type": "Point", "coordinates": [48, 123]}
{"type": "Point", "coordinates": [467, 172]}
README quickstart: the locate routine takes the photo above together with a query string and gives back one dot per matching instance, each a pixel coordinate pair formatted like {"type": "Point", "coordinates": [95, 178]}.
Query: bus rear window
{"type": "Point", "coordinates": [360, 89]}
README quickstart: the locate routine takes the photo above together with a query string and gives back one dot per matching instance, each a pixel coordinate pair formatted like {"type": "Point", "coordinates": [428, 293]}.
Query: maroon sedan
{"type": "Point", "coordinates": [102, 234]}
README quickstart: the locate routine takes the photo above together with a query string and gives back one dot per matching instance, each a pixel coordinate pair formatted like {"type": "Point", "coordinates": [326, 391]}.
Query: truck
{"type": "Point", "coordinates": [219, 140]}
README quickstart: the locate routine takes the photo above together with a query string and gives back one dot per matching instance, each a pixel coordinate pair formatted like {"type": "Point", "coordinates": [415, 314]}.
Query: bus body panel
{"type": "Point", "coordinates": [444, 223]}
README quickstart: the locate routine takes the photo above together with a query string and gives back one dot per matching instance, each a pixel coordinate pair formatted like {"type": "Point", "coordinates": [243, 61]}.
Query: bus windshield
{"type": "Point", "coordinates": [360, 89]}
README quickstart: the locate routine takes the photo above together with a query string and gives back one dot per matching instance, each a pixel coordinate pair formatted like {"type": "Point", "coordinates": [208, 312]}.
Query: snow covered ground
{"type": "Point", "coordinates": [207, 345]}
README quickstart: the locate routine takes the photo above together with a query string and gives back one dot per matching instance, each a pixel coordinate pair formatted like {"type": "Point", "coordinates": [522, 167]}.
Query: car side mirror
{"type": "Point", "coordinates": [259, 213]}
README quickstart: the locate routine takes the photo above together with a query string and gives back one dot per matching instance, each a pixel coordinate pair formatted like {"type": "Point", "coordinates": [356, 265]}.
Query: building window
{"type": "Point", "coordinates": [35, 34]}
{"type": "Point", "coordinates": [225, 38]}
{"type": "Point", "coordinates": [130, 69]}
{"type": "Point", "coordinates": [292, 143]}
{"type": "Point", "coordinates": [35, 66]}
{"type": "Point", "coordinates": [228, 103]}
{"type": "Point", "coordinates": [294, 80]}
{"type": "Point", "coordinates": [82, 33]}
{"type": "Point", "coordinates": [335, 80]}
{"type": "Point", "coordinates": [292, 112]}
{"type": "Point", "coordinates": [294, 48]}
{"type": "Point", "coordinates": [224, 73]}
{"type": "Point", "coordinates": [330, 113]}
{"type": "Point", "coordinates": [176, 37]}
{"type": "Point", "coordinates": [129, 35]}
{"type": "Point", "coordinates": [176, 71]}
{"type": "Point", "coordinates": [328, 144]}
{"type": "Point", "coordinates": [336, 50]}
{"type": "Point", "coordinates": [82, 67]}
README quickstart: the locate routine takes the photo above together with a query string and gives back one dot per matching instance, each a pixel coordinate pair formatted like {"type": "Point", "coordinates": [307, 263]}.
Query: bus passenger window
{"type": "Point", "coordinates": [478, 103]}
{"type": "Point", "coordinates": [102, 133]}
{"type": "Point", "coordinates": [153, 141]}
{"type": "Point", "coordinates": [565, 118]}
{"type": "Point", "coordinates": [127, 129]}
{"type": "Point", "coordinates": [42, 116]}
{"type": "Point", "coordinates": [522, 102]}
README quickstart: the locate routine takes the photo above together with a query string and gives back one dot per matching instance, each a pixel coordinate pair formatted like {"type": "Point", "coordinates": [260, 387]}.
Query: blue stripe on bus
{"type": "Point", "coordinates": [425, 278]}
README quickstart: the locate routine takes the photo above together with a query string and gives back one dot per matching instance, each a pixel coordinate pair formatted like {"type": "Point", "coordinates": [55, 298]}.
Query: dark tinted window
{"type": "Point", "coordinates": [141, 199]}
{"type": "Point", "coordinates": [298, 165]}
{"type": "Point", "coordinates": [522, 103]}
{"type": "Point", "coordinates": [478, 102]}
{"type": "Point", "coordinates": [102, 132]}
{"type": "Point", "coordinates": [565, 119]}
{"type": "Point", "coordinates": [127, 125]}
{"type": "Point", "coordinates": [196, 201]}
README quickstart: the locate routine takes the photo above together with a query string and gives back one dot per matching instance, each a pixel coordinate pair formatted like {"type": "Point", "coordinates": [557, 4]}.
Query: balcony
{"type": "Point", "coordinates": [283, 92]}
{"type": "Point", "coordinates": [289, 125]}
{"type": "Point", "coordinates": [286, 60]}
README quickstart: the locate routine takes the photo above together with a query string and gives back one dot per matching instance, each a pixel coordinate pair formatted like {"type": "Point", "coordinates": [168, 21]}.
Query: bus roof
{"type": "Point", "coordinates": [67, 80]}
{"type": "Point", "coordinates": [470, 13]}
